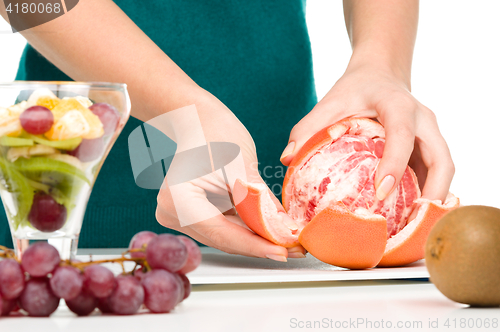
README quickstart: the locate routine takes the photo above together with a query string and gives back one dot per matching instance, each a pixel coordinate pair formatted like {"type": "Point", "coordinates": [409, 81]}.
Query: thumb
{"type": "Point", "coordinates": [304, 130]}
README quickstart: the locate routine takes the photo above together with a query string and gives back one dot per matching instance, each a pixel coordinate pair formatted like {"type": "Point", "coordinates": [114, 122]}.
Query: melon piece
{"type": "Point", "coordinates": [329, 193]}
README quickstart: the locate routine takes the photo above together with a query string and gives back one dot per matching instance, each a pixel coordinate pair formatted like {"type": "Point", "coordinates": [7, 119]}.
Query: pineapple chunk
{"type": "Point", "coordinates": [27, 151]}
{"type": "Point", "coordinates": [9, 123]}
{"type": "Point", "coordinates": [48, 102]}
{"type": "Point", "coordinates": [72, 119]}
{"type": "Point", "coordinates": [72, 124]}
{"type": "Point", "coordinates": [17, 109]}
{"type": "Point", "coordinates": [39, 93]}
{"type": "Point", "coordinates": [82, 100]}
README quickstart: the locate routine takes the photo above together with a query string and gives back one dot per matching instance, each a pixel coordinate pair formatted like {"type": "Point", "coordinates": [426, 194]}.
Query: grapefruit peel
{"type": "Point", "coordinates": [408, 245]}
{"type": "Point", "coordinates": [339, 237]}
{"type": "Point", "coordinates": [263, 215]}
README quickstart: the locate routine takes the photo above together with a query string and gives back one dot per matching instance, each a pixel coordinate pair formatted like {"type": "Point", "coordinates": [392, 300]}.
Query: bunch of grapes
{"type": "Point", "coordinates": [158, 281]}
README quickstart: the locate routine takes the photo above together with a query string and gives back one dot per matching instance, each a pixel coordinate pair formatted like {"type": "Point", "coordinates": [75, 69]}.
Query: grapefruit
{"type": "Point", "coordinates": [331, 206]}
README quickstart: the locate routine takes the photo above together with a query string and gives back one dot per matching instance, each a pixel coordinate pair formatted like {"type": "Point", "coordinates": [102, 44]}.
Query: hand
{"type": "Point", "coordinates": [412, 133]}
{"type": "Point", "coordinates": [201, 208]}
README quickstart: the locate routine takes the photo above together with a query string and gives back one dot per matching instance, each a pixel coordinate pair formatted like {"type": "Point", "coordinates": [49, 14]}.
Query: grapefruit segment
{"type": "Point", "coordinates": [263, 215]}
{"type": "Point", "coordinates": [408, 245]}
{"type": "Point", "coordinates": [339, 237]}
{"type": "Point", "coordinates": [328, 135]}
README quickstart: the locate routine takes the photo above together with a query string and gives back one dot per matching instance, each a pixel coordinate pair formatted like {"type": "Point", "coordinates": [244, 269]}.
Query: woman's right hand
{"type": "Point", "coordinates": [202, 208]}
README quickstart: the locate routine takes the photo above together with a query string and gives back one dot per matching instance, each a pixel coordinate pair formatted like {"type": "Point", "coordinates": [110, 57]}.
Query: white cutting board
{"type": "Point", "coordinates": [218, 267]}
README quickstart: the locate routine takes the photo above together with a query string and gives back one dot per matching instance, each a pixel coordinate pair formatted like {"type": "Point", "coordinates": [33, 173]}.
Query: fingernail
{"type": "Point", "coordinates": [296, 255]}
{"type": "Point", "coordinates": [288, 150]}
{"type": "Point", "coordinates": [295, 249]}
{"type": "Point", "coordinates": [278, 258]}
{"type": "Point", "coordinates": [385, 187]}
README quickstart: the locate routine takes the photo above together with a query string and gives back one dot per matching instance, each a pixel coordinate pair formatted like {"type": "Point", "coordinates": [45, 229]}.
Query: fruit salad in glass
{"type": "Point", "coordinates": [54, 138]}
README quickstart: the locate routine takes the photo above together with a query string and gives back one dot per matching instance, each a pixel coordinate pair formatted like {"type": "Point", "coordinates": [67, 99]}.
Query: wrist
{"type": "Point", "coordinates": [397, 66]}
{"type": "Point", "coordinates": [159, 94]}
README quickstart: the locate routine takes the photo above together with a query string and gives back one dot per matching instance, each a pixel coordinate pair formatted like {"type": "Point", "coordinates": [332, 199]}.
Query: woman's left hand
{"type": "Point", "coordinates": [412, 133]}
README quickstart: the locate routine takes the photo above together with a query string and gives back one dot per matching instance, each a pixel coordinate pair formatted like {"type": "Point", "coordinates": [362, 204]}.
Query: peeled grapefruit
{"type": "Point", "coordinates": [331, 207]}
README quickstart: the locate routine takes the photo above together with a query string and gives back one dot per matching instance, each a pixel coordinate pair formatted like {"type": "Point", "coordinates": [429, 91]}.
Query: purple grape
{"type": "Point", "coordinates": [108, 115]}
{"type": "Point", "coordinates": [46, 214]}
{"type": "Point", "coordinates": [138, 241]}
{"type": "Point", "coordinates": [103, 306]}
{"type": "Point", "coordinates": [162, 291]}
{"type": "Point", "coordinates": [6, 306]}
{"type": "Point", "coordinates": [187, 286]}
{"type": "Point", "coordinates": [83, 304]}
{"type": "Point", "coordinates": [66, 282]}
{"type": "Point", "coordinates": [99, 281]}
{"type": "Point", "coordinates": [127, 297]}
{"type": "Point", "coordinates": [139, 274]}
{"type": "Point", "coordinates": [194, 255]}
{"type": "Point", "coordinates": [181, 286]}
{"type": "Point", "coordinates": [11, 279]}
{"type": "Point", "coordinates": [36, 120]}
{"type": "Point", "coordinates": [167, 252]}
{"type": "Point", "coordinates": [89, 149]}
{"type": "Point", "coordinates": [40, 259]}
{"type": "Point", "coordinates": [37, 298]}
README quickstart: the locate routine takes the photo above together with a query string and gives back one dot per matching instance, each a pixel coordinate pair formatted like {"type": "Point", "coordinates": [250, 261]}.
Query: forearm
{"type": "Point", "coordinates": [383, 33]}
{"type": "Point", "coordinates": [96, 41]}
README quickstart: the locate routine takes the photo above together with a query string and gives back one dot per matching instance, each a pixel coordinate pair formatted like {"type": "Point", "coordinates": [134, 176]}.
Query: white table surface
{"type": "Point", "coordinates": [218, 267]}
{"type": "Point", "coordinates": [285, 306]}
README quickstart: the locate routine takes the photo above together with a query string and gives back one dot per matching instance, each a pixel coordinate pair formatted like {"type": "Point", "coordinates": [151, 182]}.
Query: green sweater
{"type": "Point", "coordinates": [255, 56]}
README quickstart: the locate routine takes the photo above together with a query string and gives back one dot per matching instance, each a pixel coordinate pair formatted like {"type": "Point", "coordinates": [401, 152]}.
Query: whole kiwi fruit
{"type": "Point", "coordinates": [462, 255]}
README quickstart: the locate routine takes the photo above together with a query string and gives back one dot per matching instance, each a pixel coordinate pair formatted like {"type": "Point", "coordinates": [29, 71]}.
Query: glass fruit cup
{"type": "Point", "coordinates": [54, 138]}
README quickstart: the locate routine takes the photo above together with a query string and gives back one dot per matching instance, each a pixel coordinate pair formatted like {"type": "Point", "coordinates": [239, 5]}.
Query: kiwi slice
{"type": "Point", "coordinates": [50, 171]}
{"type": "Point", "coordinates": [16, 141]}
{"type": "Point", "coordinates": [59, 196]}
{"type": "Point", "coordinates": [67, 144]}
{"type": "Point", "coordinates": [15, 183]}
{"type": "Point", "coordinates": [59, 179]}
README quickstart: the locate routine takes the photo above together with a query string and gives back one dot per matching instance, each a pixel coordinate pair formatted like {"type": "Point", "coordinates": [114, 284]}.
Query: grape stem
{"type": "Point", "coordinates": [7, 253]}
{"type": "Point", "coordinates": [139, 261]}
{"type": "Point", "coordinates": [121, 260]}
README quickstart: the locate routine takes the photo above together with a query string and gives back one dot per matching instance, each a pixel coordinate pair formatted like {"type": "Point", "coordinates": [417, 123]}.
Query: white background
{"type": "Point", "coordinates": [455, 73]}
